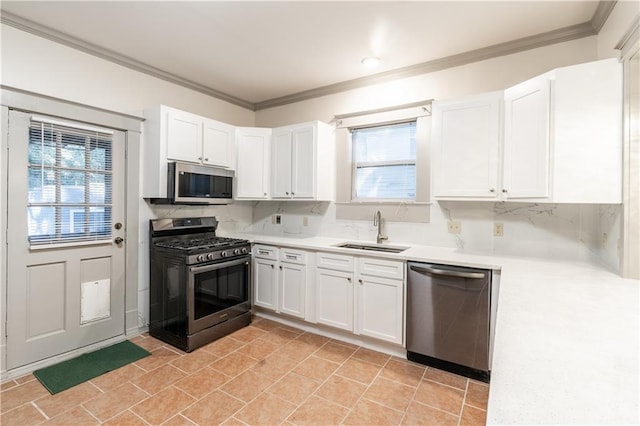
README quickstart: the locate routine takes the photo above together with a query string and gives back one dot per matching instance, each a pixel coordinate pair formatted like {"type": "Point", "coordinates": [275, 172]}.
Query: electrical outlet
{"type": "Point", "coordinates": [305, 221]}
{"type": "Point", "coordinates": [498, 229]}
{"type": "Point", "coordinates": [278, 219]}
{"type": "Point", "coordinates": [454, 226]}
{"type": "Point", "coordinates": [605, 239]}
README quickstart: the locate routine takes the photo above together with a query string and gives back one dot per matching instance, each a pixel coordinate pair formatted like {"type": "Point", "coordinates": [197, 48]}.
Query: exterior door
{"type": "Point", "coordinates": [66, 256]}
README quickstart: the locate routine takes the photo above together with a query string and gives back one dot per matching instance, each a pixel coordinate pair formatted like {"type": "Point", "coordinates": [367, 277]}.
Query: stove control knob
{"type": "Point", "coordinates": [236, 251]}
{"type": "Point", "coordinates": [244, 250]}
{"type": "Point", "coordinates": [200, 258]}
{"type": "Point", "coordinates": [210, 256]}
{"type": "Point", "coordinates": [223, 254]}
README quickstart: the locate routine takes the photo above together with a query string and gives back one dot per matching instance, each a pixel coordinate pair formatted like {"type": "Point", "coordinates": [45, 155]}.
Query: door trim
{"type": "Point", "coordinates": [131, 125]}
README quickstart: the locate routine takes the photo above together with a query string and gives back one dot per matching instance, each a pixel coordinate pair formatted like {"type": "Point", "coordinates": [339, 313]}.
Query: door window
{"type": "Point", "coordinates": [69, 183]}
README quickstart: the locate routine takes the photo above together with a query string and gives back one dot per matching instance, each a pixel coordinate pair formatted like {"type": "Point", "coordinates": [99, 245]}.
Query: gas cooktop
{"type": "Point", "coordinates": [201, 243]}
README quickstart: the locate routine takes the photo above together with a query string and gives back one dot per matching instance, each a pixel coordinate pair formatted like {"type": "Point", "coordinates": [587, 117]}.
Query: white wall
{"type": "Point", "coordinates": [484, 76]}
{"type": "Point", "coordinates": [42, 66]}
{"type": "Point", "coordinates": [611, 224]}
{"type": "Point", "coordinates": [545, 230]}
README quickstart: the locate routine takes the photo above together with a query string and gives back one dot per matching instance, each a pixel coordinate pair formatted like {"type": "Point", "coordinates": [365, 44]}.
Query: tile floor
{"type": "Point", "coordinates": [264, 374]}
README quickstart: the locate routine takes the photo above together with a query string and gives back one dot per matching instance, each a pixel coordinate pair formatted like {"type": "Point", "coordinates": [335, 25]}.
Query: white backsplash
{"type": "Point", "coordinates": [557, 231]}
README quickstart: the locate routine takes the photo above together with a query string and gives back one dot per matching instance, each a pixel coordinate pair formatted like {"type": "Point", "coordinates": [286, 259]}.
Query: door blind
{"type": "Point", "coordinates": [70, 182]}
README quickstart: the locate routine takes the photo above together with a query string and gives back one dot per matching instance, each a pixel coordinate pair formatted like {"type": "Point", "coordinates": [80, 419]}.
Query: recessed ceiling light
{"type": "Point", "coordinates": [370, 62]}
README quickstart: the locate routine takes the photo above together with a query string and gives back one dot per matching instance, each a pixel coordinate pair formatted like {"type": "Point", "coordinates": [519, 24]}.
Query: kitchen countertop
{"type": "Point", "coordinates": [567, 343]}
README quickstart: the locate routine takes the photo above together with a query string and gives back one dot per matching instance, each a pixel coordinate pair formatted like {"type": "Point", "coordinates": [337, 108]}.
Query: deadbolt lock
{"type": "Point", "coordinates": [117, 225]}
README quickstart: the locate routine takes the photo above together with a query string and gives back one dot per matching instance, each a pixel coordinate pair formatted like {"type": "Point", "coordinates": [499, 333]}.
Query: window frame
{"type": "Point", "coordinates": [354, 164]}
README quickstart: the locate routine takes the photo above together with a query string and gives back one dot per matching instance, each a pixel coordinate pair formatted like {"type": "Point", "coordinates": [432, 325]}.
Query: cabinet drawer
{"type": "Point", "coordinates": [293, 256]}
{"type": "Point", "coordinates": [381, 268]}
{"type": "Point", "coordinates": [337, 262]}
{"type": "Point", "coordinates": [265, 252]}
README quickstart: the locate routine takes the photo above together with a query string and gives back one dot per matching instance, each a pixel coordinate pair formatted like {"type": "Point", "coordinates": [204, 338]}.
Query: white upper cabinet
{"type": "Point", "coordinates": [184, 136]}
{"type": "Point", "coordinates": [526, 140]}
{"type": "Point", "coordinates": [559, 140]}
{"type": "Point", "coordinates": [218, 144]}
{"type": "Point", "coordinates": [303, 162]}
{"type": "Point", "coordinates": [253, 163]}
{"type": "Point", "coordinates": [466, 135]}
{"type": "Point", "coordinates": [200, 140]}
{"type": "Point", "coordinates": [174, 135]}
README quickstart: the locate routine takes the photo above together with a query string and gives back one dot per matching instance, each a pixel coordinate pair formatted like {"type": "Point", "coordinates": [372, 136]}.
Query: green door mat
{"type": "Point", "coordinates": [67, 374]}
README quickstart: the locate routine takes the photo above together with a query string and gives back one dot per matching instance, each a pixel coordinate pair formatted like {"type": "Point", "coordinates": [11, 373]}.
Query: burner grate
{"type": "Point", "coordinates": [201, 243]}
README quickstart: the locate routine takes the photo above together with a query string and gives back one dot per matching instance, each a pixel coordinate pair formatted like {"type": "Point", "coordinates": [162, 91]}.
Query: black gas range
{"type": "Point", "coordinates": [199, 282]}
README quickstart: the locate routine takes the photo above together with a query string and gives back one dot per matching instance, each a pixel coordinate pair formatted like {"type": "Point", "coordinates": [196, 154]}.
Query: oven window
{"type": "Point", "coordinates": [220, 289]}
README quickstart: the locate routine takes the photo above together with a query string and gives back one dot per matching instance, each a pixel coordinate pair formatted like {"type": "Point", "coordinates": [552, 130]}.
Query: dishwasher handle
{"type": "Point", "coordinates": [438, 271]}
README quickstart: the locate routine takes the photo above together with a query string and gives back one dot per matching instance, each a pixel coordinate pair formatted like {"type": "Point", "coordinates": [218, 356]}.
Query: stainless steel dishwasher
{"type": "Point", "coordinates": [449, 311]}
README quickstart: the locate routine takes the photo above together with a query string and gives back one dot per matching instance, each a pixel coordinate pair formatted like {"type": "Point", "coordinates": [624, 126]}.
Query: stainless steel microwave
{"type": "Point", "coordinates": [195, 184]}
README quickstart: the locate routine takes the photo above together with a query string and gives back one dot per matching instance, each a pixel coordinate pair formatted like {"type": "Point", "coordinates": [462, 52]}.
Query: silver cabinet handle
{"type": "Point", "coordinates": [361, 283]}
{"type": "Point", "coordinates": [492, 190]}
{"type": "Point", "coordinates": [206, 159]}
{"type": "Point", "coordinates": [349, 279]}
{"type": "Point", "coordinates": [273, 266]}
{"type": "Point", "coordinates": [286, 193]}
{"type": "Point", "coordinates": [436, 271]}
{"type": "Point", "coordinates": [293, 193]}
{"type": "Point", "coordinates": [504, 190]}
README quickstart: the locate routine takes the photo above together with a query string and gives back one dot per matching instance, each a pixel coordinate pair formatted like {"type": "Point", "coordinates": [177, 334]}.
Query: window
{"type": "Point", "coordinates": [70, 186]}
{"type": "Point", "coordinates": [384, 162]}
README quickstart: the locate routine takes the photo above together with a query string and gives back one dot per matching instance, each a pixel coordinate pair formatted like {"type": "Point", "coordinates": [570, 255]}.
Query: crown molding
{"type": "Point", "coordinates": [544, 39]}
{"type": "Point", "coordinates": [109, 55]}
{"type": "Point", "coordinates": [602, 13]}
{"type": "Point", "coordinates": [573, 32]}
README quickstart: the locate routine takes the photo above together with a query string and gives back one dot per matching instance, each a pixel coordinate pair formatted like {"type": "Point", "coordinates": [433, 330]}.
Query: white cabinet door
{"type": "Point", "coordinates": [303, 162]}
{"type": "Point", "coordinates": [292, 285]}
{"type": "Point", "coordinates": [526, 140]}
{"type": "Point", "coordinates": [334, 298]}
{"type": "Point", "coordinates": [252, 173]}
{"type": "Point", "coordinates": [281, 163]}
{"type": "Point", "coordinates": [380, 308]}
{"type": "Point", "coordinates": [184, 136]}
{"type": "Point", "coordinates": [265, 284]}
{"type": "Point", "coordinates": [466, 137]}
{"type": "Point", "coordinates": [218, 144]}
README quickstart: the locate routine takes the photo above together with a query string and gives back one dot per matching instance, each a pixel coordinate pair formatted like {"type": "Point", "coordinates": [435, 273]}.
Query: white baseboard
{"type": "Point", "coordinates": [344, 336]}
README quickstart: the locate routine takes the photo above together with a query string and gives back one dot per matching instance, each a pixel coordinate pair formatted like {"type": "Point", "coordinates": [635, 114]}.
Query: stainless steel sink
{"type": "Point", "coordinates": [373, 247]}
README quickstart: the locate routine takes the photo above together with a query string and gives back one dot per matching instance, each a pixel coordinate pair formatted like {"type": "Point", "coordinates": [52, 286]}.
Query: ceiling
{"type": "Point", "coordinates": [258, 54]}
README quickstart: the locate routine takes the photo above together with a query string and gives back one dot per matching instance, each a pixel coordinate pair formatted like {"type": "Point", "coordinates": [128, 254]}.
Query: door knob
{"type": "Point", "coordinates": [118, 240]}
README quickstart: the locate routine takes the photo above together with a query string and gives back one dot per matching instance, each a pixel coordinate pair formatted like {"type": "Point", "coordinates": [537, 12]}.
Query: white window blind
{"type": "Point", "coordinates": [70, 183]}
{"type": "Point", "coordinates": [384, 162]}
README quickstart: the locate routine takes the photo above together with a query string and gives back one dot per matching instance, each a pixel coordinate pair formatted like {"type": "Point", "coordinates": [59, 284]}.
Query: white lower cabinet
{"type": "Point", "coordinates": [292, 282]}
{"type": "Point", "coordinates": [380, 289]}
{"type": "Point", "coordinates": [265, 277]}
{"type": "Point", "coordinates": [280, 279]}
{"type": "Point", "coordinates": [362, 295]}
{"type": "Point", "coordinates": [334, 298]}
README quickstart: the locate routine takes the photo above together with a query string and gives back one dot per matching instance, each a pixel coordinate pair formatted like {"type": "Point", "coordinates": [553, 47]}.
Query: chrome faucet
{"type": "Point", "coordinates": [377, 221]}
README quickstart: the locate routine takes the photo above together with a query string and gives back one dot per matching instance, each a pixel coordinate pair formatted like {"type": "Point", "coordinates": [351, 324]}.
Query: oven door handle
{"type": "Point", "coordinates": [213, 266]}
